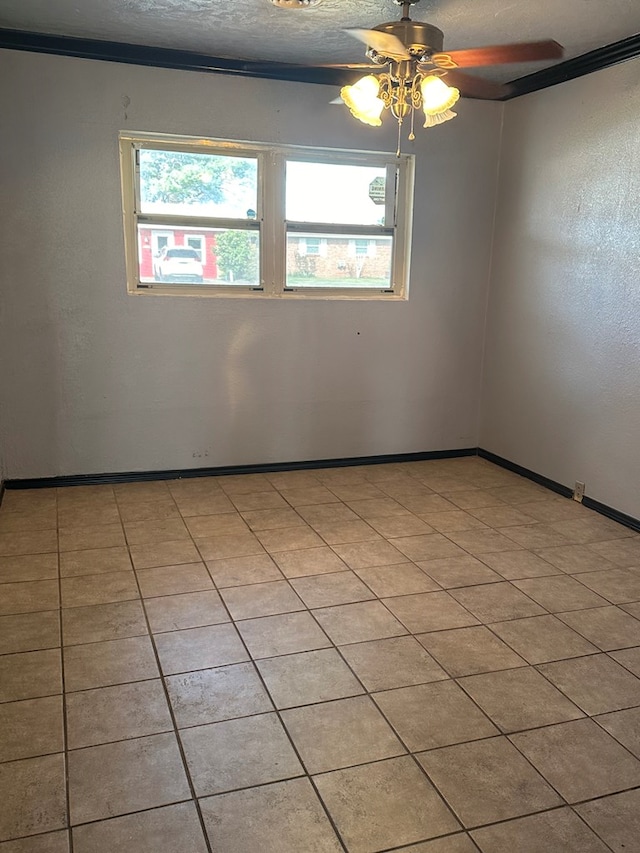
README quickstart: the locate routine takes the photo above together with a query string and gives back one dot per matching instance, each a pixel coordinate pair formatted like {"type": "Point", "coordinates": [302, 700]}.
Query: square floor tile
{"type": "Point", "coordinates": [513, 565]}
{"type": "Point", "coordinates": [356, 623]}
{"type": "Point", "coordinates": [518, 699]}
{"type": "Point", "coordinates": [432, 715]}
{"type": "Point", "coordinates": [229, 545]}
{"type": "Point", "coordinates": [239, 754]}
{"type": "Point", "coordinates": [164, 554]}
{"type": "Point", "coordinates": [381, 805]}
{"type": "Point", "coordinates": [258, 500]}
{"type": "Point", "coordinates": [328, 590]}
{"type": "Point", "coordinates": [458, 571]}
{"type": "Point", "coordinates": [28, 567]}
{"type": "Point", "coordinates": [575, 558]}
{"type": "Point", "coordinates": [622, 552]}
{"type": "Point", "coordinates": [467, 651]}
{"type": "Point", "coordinates": [116, 713]}
{"type": "Point", "coordinates": [116, 778]}
{"type": "Point", "coordinates": [272, 519]}
{"type": "Point", "coordinates": [203, 526]}
{"type": "Point", "coordinates": [591, 528]}
{"type": "Point", "coordinates": [377, 507]}
{"type": "Point", "coordinates": [501, 516]}
{"type": "Point", "coordinates": [309, 561]}
{"type": "Point", "coordinates": [346, 532]}
{"type": "Point", "coordinates": [536, 536]}
{"type": "Point", "coordinates": [308, 677]}
{"type": "Point", "coordinates": [434, 546]}
{"type": "Point", "coordinates": [401, 579]}
{"type": "Point", "coordinates": [579, 759]}
{"type": "Point", "coordinates": [496, 602]}
{"type": "Point", "coordinates": [29, 632]}
{"type": "Point", "coordinates": [169, 580]}
{"type": "Point", "coordinates": [392, 662]}
{"type": "Point", "coordinates": [261, 599]}
{"type": "Point", "coordinates": [239, 571]}
{"type": "Point", "coordinates": [479, 542]}
{"type": "Point", "coordinates": [50, 842]}
{"type": "Point", "coordinates": [32, 796]}
{"type": "Point", "coordinates": [402, 524]}
{"type": "Point", "coordinates": [28, 542]}
{"type": "Point", "coordinates": [164, 830]}
{"type": "Point", "coordinates": [340, 734]}
{"type": "Point", "coordinates": [295, 538]}
{"type": "Point", "coordinates": [286, 818]}
{"type": "Point", "coordinates": [488, 780]}
{"type": "Point", "coordinates": [362, 555]}
{"type": "Point", "coordinates": [98, 589]}
{"type": "Point", "coordinates": [540, 639]}
{"type": "Point", "coordinates": [270, 636]}
{"type": "Point", "coordinates": [559, 592]}
{"type": "Point", "coordinates": [629, 658]}
{"type": "Point", "coordinates": [596, 684]}
{"type": "Point", "coordinates": [199, 648]}
{"type": "Point", "coordinates": [609, 628]}
{"type": "Point", "coordinates": [624, 726]}
{"type": "Point", "coordinates": [458, 843]}
{"type": "Point", "coordinates": [616, 819]}
{"type": "Point", "coordinates": [91, 536]}
{"type": "Point", "coordinates": [29, 597]}
{"type": "Point", "coordinates": [560, 831]}
{"type": "Point", "coordinates": [212, 695]}
{"type": "Point", "coordinates": [109, 662]}
{"type": "Point", "coordinates": [450, 522]}
{"type": "Point", "coordinates": [186, 610]}
{"type": "Point", "coordinates": [31, 727]}
{"type": "Point", "coordinates": [431, 611]}
{"type": "Point", "coordinates": [94, 561]}
{"type": "Point", "coordinates": [103, 622]}
{"type": "Point", "coordinates": [27, 675]}
{"type": "Point", "coordinates": [618, 586]}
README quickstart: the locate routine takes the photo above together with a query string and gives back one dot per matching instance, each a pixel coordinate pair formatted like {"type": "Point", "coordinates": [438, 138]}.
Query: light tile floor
{"type": "Point", "coordinates": [435, 657]}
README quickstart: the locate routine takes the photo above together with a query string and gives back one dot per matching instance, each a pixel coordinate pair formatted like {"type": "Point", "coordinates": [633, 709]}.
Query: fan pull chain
{"type": "Point", "coordinates": [399, 137]}
{"type": "Point", "coordinates": [412, 135]}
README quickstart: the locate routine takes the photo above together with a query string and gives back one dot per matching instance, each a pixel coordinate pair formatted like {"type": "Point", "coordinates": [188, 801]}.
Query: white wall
{"type": "Point", "coordinates": [562, 374]}
{"type": "Point", "coordinates": [99, 381]}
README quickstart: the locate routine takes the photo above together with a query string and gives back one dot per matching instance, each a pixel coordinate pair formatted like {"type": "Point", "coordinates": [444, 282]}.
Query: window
{"type": "Point", "coordinates": [212, 217]}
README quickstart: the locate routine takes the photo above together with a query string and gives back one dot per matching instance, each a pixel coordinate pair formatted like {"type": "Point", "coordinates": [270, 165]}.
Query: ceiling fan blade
{"type": "Point", "coordinates": [385, 43]}
{"type": "Point", "coordinates": [501, 54]}
{"type": "Point", "coordinates": [349, 65]}
{"type": "Point", "coordinates": [476, 87]}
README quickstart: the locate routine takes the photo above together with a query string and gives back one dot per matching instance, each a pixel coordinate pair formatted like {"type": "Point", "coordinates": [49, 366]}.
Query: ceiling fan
{"type": "Point", "coordinates": [409, 71]}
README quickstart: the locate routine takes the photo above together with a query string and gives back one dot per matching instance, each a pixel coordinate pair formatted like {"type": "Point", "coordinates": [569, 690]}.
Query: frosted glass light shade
{"type": "Point", "coordinates": [437, 97]}
{"type": "Point", "coordinates": [363, 101]}
{"type": "Point", "coordinates": [440, 118]}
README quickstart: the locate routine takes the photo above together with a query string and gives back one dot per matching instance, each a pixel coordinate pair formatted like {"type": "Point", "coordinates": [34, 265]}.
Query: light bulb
{"type": "Point", "coordinates": [363, 101]}
{"type": "Point", "coordinates": [437, 97]}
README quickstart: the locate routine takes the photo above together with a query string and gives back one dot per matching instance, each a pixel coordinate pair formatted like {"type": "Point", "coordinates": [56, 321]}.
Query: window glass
{"type": "Point", "coordinates": [343, 194]}
{"type": "Point", "coordinates": [340, 264]}
{"type": "Point", "coordinates": [216, 185]}
{"type": "Point", "coordinates": [213, 256]}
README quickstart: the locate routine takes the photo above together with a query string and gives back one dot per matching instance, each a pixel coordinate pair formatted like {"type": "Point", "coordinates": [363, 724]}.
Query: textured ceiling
{"type": "Point", "coordinates": [255, 29]}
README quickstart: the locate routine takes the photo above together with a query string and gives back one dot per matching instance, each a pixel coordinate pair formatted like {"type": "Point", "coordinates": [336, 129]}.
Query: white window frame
{"type": "Point", "coordinates": [270, 219]}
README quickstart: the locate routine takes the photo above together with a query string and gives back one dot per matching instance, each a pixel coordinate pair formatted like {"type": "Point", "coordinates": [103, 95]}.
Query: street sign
{"type": "Point", "coordinates": [377, 192]}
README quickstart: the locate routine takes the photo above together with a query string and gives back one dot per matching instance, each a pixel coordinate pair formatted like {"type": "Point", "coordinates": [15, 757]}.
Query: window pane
{"type": "Point", "coordinates": [214, 256]}
{"type": "Point", "coordinates": [336, 194]}
{"type": "Point", "coordinates": [338, 261]}
{"type": "Point", "coordinates": [177, 182]}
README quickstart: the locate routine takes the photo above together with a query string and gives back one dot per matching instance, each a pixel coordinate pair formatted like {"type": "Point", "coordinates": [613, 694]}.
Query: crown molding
{"type": "Point", "coordinates": [587, 63]}
{"type": "Point", "coordinates": [163, 57]}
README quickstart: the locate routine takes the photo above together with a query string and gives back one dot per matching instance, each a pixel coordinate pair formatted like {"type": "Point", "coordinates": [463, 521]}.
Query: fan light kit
{"type": "Point", "coordinates": [418, 73]}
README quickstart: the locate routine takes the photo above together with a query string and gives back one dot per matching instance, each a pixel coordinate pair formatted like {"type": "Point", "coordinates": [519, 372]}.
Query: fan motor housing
{"type": "Point", "coordinates": [417, 36]}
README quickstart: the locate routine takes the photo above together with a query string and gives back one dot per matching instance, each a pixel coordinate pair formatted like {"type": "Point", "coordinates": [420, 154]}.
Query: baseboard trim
{"type": "Point", "coordinates": [613, 514]}
{"type": "Point", "coordinates": [565, 491]}
{"type": "Point", "coordinates": [225, 470]}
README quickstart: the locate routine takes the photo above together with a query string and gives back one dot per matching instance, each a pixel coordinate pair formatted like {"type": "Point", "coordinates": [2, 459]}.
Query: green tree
{"type": "Point", "coordinates": [237, 255]}
{"type": "Point", "coordinates": [176, 177]}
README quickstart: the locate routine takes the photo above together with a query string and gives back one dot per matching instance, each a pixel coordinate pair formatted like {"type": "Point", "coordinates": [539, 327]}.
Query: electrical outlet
{"type": "Point", "coordinates": [578, 491]}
